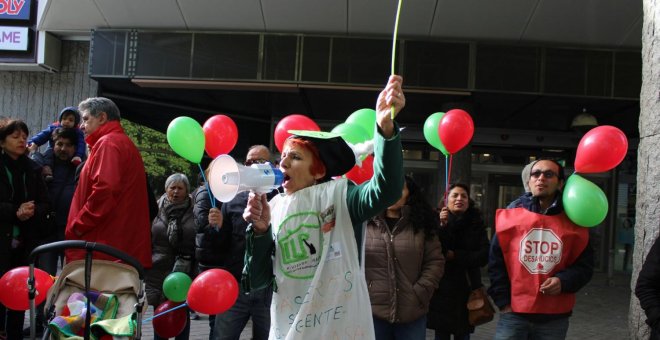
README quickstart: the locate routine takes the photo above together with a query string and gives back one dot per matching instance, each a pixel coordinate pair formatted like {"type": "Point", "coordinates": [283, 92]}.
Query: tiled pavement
{"type": "Point", "coordinates": [601, 312]}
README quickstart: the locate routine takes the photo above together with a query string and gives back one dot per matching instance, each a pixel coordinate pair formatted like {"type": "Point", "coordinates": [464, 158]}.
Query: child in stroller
{"type": "Point", "coordinates": [92, 299]}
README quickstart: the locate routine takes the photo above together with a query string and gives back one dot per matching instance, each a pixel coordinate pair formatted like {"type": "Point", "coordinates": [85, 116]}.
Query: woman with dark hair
{"type": "Point", "coordinates": [465, 244]}
{"type": "Point", "coordinates": [403, 265]}
{"type": "Point", "coordinates": [23, 209]}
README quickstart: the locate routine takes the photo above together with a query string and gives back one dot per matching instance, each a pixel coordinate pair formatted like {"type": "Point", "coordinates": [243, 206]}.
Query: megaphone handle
{"type": "Point", "coordinates": [206, 182]}
{"type": "Point", "coordinates": [264, 190]}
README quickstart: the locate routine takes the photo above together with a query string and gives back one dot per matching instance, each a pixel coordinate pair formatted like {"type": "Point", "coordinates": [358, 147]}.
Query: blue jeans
{"type": "Point", "coordinates": [513, 326]}
{"type": "Point", "coordinates": [411, 330]}
{"type": "Point", "coordinates": [230, 324]}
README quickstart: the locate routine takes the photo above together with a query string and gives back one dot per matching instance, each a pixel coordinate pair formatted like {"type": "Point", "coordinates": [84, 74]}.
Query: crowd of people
{"type": "Point", "coordinates": [320, 257]}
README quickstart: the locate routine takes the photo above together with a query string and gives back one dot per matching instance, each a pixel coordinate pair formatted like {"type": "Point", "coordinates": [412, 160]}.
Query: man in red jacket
{"type": "Point", "coordinates": [110, 205]}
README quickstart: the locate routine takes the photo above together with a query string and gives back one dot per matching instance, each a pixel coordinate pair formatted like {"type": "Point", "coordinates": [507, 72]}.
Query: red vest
{"type": "Point", "coordinates": [535, 247]}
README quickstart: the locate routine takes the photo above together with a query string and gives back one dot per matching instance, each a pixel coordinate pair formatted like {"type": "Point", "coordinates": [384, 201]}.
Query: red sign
{"type": "Point", "coordinates": [540, 251]}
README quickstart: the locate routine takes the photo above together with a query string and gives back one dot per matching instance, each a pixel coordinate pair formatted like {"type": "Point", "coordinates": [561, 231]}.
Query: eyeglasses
{"type": "Point", "coordinates": [547, 174]}
{"type": "Point", "coordinates": [255, 161]}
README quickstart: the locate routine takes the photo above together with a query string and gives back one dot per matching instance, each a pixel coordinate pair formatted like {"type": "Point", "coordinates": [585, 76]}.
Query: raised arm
{"type": "Point", "coordinates": [384, 188]}
{"type": "Point", "coordinates": [391, 95]}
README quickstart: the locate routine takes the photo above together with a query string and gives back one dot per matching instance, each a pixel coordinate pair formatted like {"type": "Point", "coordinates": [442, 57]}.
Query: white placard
{"type": "Point", "coordinates": [13, 38]}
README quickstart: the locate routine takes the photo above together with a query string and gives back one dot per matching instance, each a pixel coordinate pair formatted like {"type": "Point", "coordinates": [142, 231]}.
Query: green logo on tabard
{"type": "Point", "coordinates": [300, 244]}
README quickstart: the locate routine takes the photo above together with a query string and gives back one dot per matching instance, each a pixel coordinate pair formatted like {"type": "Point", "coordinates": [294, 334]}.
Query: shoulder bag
{"type": "Point", "coordinates": [480, 309]}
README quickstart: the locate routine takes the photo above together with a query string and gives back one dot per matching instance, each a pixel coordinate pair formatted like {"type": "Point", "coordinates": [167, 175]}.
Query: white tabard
{"type": "Point", "coordinates": [322, 293]}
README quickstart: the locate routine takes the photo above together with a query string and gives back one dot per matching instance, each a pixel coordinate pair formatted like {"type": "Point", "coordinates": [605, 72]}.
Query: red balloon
{"type": "Point", "coordinates": [213, 292]}
{"type": "Point", "coordinates": [601, 149]}
{"type": "Point", "coordinates": [221, 135]}
{"type": "Point", "coordinates": [13, 286]}
{"type": "Point", "coordinates": [455, 129]}
{"type": "Point", "coordinates": [172, 323]}
{"type": "Point", "coordinates": [292, 122]}
{"type": "Point", "coordinates": [362, 174]}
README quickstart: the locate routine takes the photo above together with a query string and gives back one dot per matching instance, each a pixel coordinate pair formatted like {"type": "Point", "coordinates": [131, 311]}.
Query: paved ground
{"type": "Point", "coordinates": [601, 313]}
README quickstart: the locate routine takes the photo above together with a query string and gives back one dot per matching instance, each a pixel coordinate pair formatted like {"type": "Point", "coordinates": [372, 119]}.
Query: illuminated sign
{"type": "Point", "coordinates": [13, 38]}
{"type": "Point", "coordinates": [15, 9]}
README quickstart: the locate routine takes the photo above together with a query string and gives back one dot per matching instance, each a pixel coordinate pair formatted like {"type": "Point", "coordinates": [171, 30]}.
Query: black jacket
{"type": "Point", "coordinates": [648, 289]}
{"type": "Point", "coordinates": [27, 185]}
{"type": "Point", "coordinates": [61, 188]}
{"type": "Point", "coordinates": [466, 237]}
{"type": "Point", "coordinates": [211, 244]}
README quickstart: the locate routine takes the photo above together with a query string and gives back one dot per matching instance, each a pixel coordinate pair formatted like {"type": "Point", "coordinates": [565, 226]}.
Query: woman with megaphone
{"type": "Point", "coordinates": [315, 227]}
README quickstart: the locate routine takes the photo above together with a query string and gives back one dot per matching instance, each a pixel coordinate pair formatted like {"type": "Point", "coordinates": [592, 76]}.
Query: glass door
{"type": "Point", "coordinates": [427, 175]}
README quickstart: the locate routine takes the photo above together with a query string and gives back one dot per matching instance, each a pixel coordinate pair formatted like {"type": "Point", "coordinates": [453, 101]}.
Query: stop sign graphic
{"type": "Point", "coordinates": [540, 251]}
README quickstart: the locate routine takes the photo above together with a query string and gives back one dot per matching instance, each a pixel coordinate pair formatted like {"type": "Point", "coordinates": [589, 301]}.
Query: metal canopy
{"type": "Point", "coordinates": [591, 24]}
{"type": "Point", "coordinates": [594, 23]}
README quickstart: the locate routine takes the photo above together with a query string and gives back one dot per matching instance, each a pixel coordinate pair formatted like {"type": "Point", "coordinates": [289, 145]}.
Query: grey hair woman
{"type": "Point", "coordinates": [172, 240]}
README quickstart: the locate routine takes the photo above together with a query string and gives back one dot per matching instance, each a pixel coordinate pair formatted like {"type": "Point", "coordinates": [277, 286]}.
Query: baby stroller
{"type": "Point", "coordinates": [120, 286]}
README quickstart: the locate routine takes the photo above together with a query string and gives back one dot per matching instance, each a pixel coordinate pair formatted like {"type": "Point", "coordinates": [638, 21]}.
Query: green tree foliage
{"type": "Point", "coordinates": [159, 159]}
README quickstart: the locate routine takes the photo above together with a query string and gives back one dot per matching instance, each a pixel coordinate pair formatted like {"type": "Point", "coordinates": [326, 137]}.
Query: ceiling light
{"type": "Point", "coordinates": [584, 120]}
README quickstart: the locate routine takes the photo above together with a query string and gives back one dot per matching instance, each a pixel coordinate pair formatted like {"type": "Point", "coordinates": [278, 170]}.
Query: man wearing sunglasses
{"type": "Point", "coordinates": [538, 259]}
{"type": "Point", "coordinates": [230, 324]}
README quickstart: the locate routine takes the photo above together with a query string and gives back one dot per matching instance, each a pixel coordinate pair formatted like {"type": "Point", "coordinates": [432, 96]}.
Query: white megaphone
{"type": "Point", "coordinates": [227, 178]}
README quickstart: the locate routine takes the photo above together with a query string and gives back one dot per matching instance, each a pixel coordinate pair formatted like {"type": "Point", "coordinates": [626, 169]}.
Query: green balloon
{"type": "Point", "coordinates": [186, 138]}
{"type": "Point", "coordinates": [584, 202]}
{"type": "Point", "coordinates": [351, 133]}
{"type": "Point", "coordinates": [365, 118]}
{"type": "Point", "coordinates": [431, 133]}
{"type": "Point", "coordinates": [176, 286]}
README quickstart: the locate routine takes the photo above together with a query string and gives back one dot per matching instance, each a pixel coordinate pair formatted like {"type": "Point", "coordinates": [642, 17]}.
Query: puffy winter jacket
{"type": "Point", "coordinates": [402, 269]}
{"type": "Point", "coordinates": [168, 243]}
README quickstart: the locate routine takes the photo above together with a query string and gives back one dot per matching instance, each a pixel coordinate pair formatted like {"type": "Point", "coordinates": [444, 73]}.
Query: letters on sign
{"type": "Point", "coordinates": [15, 9]}
{"type": "Point", "coordinates": [540, 250]}
{"type": "Point", "coordinates": [13, 38]}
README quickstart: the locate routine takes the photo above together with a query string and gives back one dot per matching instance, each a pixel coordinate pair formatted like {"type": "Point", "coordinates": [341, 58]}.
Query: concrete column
{"type": "Point", "coordinates": [648, 159]}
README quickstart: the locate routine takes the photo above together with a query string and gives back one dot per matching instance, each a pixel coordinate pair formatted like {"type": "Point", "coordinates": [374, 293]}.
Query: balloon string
{"type": "Point", "coordinates": [396, 32]}
{"type": "Point", "coordinates": [451, 158]}
{"type": "Point", "coordinates": [206, 182]}
{"type": "Point", "coordinates": [444, 201]}
{"type": "Point", "coordinates": [165, 312]}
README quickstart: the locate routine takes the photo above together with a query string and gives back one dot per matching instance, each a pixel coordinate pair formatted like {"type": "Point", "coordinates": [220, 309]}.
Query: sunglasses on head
{"type": "Point", "coordinates": [255, 161]}
{"type": "Point", "coordinates": [547, 174]}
